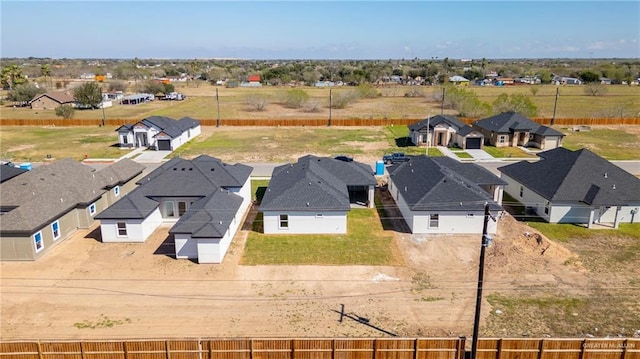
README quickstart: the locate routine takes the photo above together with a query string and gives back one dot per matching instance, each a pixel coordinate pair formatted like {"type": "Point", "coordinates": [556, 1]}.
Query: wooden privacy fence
{"type": "Point", "coordinates": [305, 122]}
{"type": "Point", "coordinates": [387, 348]}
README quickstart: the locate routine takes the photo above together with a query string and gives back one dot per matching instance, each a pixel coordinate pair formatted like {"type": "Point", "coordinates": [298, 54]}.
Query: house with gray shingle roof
{"type": "Point", "coordinates": [159, 133]}
{"type": "Point", "coordinates": [511, 129]}
{"type": "Point", "coordinates": [579, 186]}
{"type": "Point", "coordinates": [51, 100]}
{"type": "Point", "coordinates": [445, 130]}
{"type": "Point", "coordinates": [440, 195]}
{"type": "Point", "coordinates": [41, 208]}
{"type": "Point", "coordinates": [314, 195]}
{"type": "Point", "coordinates": [204, 199]}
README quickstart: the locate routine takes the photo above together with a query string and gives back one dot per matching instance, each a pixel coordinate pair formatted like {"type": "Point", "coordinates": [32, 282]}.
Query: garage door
{"type": "Point", "coordinates": [164, 145]}
{"type": "Point", "coordinates": [473, 143]}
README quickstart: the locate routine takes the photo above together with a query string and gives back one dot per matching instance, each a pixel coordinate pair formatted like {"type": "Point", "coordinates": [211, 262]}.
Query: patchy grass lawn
{"type": "Point", "coordinates": [462, 154]}
{"type": "Point", "coordinates": [612, 144]}
{"type": "Point", "coordinates": [365, 244]}
{"type": "Point", "coordinates": [258, 188]}
{"type": "Point", "coordinates": [507, 152]}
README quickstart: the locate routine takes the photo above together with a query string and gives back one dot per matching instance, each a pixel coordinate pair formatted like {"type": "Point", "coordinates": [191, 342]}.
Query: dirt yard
{"type": "Point", "coordinates": [87, 289]}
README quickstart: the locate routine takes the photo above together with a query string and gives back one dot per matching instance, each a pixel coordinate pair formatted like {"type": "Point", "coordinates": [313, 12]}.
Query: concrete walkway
{"type": "Point", "coordinates": [480, 155]}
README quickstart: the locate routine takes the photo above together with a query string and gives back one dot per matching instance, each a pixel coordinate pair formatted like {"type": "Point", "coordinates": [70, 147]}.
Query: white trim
{"type": "Point", "coordinates": [116, 191]}
{"type": "Point", "coordinates": [280, 221]}
{"type": "Point", "coordinates": [35, 245]}
{"type": "Point", "coordinates": [53, 233]}
{"type": "Point", "coordinates": [92, 209]}
{"type": "Point", "coordinates": [126, 230]}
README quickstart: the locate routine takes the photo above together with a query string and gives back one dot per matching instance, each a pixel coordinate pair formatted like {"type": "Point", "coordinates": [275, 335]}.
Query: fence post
{"type": "Point", "coordinates": [124, 347]}
{"type": "Point", "coordinates": [624, 349]}
{"type": "Point", "coordinates": [166, 347]}
{"type": "Point", "coordinates": [540, 349]}
{"type": "Point", "coordinates": [82, 349]}
{"type": "Point", "coordinates": [461, 349]}
{"type": "Point", "coordinates": [251, 349]}
{"type": "Point", "coordinates": [39, 349]}
{"type": "Point", "coordinates": [584, 345]}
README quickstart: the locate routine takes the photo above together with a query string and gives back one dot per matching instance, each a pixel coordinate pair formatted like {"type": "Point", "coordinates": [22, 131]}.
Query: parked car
{"type": "Point", "coordinates": [344, 158]}
{"type": "Point", "coordinates": [395, 158]}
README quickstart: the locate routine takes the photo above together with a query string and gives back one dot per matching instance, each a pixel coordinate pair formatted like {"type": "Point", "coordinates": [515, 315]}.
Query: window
{"type": "Point", "coordinates": [501, 139]}
{"type": "Point", "coordinates": [122, 229]}
{"type": "Point", "coordinates": [434, 220]}
{"type": "Point", "coordinates": [319, 215]}
{"type": "Point", "coordinates": [37, 241]}
{"type": "Point", "coordinates": [546, 207]}
{"type": "Point", "coordinates": [55, 230]}
{"type": "Point", "coordinates": [92, 209]}
{"type": "Point", "coordinates": [124, 140]}
{"type": "Point", "coordinates": [168, 209]}
{"type": "Point", "coordinates": [521, 191]}
{"type": "Point", "coordinates": [470, 215]}
{"type": "Point", "coordinates": [284, 221]}
{"type": "Point", "coordinates": [116, 190]}
{"type": "Point", "coordinates": [182, 207]}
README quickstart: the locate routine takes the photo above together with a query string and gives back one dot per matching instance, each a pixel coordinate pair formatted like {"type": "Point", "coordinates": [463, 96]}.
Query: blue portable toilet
{"type": "Point", "coordinates": [26, 166]}
{"type": "Point", "coordinates": [379, 168]}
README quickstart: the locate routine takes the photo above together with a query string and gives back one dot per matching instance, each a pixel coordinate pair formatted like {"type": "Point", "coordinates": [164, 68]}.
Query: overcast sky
{"type": "Point", "coordinates": [320, 30]}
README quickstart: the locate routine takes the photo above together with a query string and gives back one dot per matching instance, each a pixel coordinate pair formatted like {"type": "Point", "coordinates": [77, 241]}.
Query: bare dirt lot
{"type": "Point", "coordinates": [88, 289]}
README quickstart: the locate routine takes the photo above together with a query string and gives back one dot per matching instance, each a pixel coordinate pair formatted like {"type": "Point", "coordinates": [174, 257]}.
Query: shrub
{"type": "Point", "coordinates": [367, 91]}
{"type": "Point", "coordinates": [65, 111]}
{"type": "Point", "coordinates": [296, 98]}
{"type": "Point", "coordinates": [343, 99]}
{"type": "Point", "coordinates": [518, 102]}
{"type": "Point", "coordinates": [257, 101]}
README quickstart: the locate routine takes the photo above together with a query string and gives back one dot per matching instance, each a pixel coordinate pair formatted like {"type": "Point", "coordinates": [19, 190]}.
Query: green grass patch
{"type": "Point", "coordinates": [507, 152]}
{"type": "Point", "coordinates": [608, 143]}
{"type": "Point", "coordinates": [258, 188]}
{"type": "Point", "coordinates": [364, 244]}
{"type": "Point", "coordinates": [463, 154]}
{"type": "Point", "coordinates": [102, 322]}
{"type": "Point", "coordinates": [563, 232]}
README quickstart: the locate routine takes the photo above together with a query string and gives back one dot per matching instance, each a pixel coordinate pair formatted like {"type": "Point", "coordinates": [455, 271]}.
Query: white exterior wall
{"type": "Point", "coordinates": [402, 205]}
{"type": "Point", "coordinates": [185, 247]}
{"type": "Point", "coordinates": [245, 193]}
{"type": "Point", "coordinates": [330, 222]}
{"type": "Point", "coordinates": [138, 230]}
{"type": "Point", "coordinates": [128, 135]}
{"type": "Point", "coordinates": [551, 142]}
{"type": "Point", "coordinates": [210, 250]}
{"type": "Point", "coordinates": [529, 198]}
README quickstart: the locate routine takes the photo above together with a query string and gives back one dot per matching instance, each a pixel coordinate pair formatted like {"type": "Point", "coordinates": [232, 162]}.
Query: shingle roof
{"type": "Point", "coordinates": [460, 127]}
{"type": "Point", "coordinates": [442, 184]}
{"type": "Point", "coordinates": [120, 172]}
{"type": "Point", "coordinates": [508, 122]}
{"type": "Point", "coordinates": [61, 97]}
{"type": "Point", "coordinates": [47, 192]}
{"type": "Point", "coordinates": [8, 172]}
{"type": "Point", "coordinates": [210, 216]}
{"type": "Point", "coordinates": [315, 183]}
{"type": "Point", "coordinates": [173, 128]}
{"type": "Point", "coordinates": [562, 175]}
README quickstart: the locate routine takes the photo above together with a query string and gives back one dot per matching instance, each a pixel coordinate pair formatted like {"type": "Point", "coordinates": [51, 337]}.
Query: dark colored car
{"type": "Point", "coordinates": [395, 158]}
{"type": "Point", "coordinates": [344, 158]}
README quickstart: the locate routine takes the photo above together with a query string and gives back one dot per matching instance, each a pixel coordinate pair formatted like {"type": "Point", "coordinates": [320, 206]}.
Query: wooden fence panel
{"type": "Point", "coordinates": [103, 350]}
{"type": "Point", "coordinates": [184, 349]}
{"type": "Point", "coordinates": [61, 350]}
{"type": "Point", "coordinates": [519, 348]}
{"type": "Point", "coordinates": [312, 349]}
{"type": "Point", "coordinates": [229, 349]}
{"type": "Point", "coordinates": [488, 348]}
{"type": "Point", "coordinates": [561, 349]}
{"type": "Point", "coordinates": [386, 348]}
{"type": "Point", "coordinates": [353, 349]}
{"type": "Point", "coordinates": [603, 348]}
{"type": "Point", "coordinates": [19, 350]}
{"type": "Point", "coordinates": [271, 348]}
{"type": "Point", "coordinates": [632, 349]}
{"type": "Point", "coordinates": [146, 349]}
{"type": "Point", "coordinates": [445, 348]}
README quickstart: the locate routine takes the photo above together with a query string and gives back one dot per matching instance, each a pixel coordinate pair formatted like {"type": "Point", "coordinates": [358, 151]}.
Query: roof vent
{"type": "Point", "coordinates": [61, 200]}
{"type": "Point", "coordinates": [183, 168]}
{"type": "Point", "coordinates": [307, 204]}
{"type": "Point", "coordinates": [190, 169]}
{"type": "Point", "coordinates": [212, 169]}
{"type": "Point", "coordinates": [309, 183]}
{"type": "Point", "coordinates": [412, 170]}
{"type": "Point", "coordinates": [405, 188]}
{"type": "Point", "coordinates": [614, 186]}
{"type": "Point", "coordinates": [220, 222]}
{"type": "Point", "coordinates": [175, 169]}
{"type": "Point", "coordinates": [605, 175]}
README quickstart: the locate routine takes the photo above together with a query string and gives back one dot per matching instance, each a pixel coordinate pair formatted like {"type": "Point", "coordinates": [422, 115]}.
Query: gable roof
{"type": "Point", "coordinates": [508, 122]}
{"type": "Point", "coordinates": [172, 128]}
{"type": "Point", "coordinates": [433, 121]}
{"type": "Point", "coordinates": [47, 192]}
{"type": "Point", "coordinates": [178, 177]}
{"type": "Point", "coordinates": [562, 175]}
{"type": "Point", "coordinates": [60, 97]}
{"type": "Point", "coordinates": [315, 183]}
{"type": "Point", "coordinates": [120, 172]}
{"type": "Point", "coordinates": [443, 184]}
{"type": "Point", "coordinates": [8, 172]}
{"type": "Point", "coordinates": [458, 78]}
{"type": "Point", "coordinates": [209, 217]}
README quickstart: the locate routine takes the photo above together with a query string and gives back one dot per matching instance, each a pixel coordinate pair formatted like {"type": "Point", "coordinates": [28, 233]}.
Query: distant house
{"type": "Point", "coordinates": [137, 98]}
{"type": "Point", "coordinates": [325, 84]}
{"type": "Point", "coordinates": [51, 100]}
{"type": "Point", "coordinates": [445, 130]}
{"type": "Point", "coordinates": [441, 195]}
{"type": "Point", "coordinates": [605, 81]}
{"type": "Point", "coordinates": [459, 80]}
{"type": "Point", "coordinates": [43, 207]}
{"type": "Point", "coordinates": [504, 81]}
{"type": "Point", "coordinates": [204, 200]}
{"type": "Point", "coordinates": [511, 129]}
{"type": "Point", "coordinates": [564, 80]}
{"type": "Point", "coordinates": [580, 187]}
{"type": "Point", "coordinates": [88, 76]}
{"type": "Point", "coordinates": [159, 132]}
{"type": "Point", "coordinates": [314, 195]}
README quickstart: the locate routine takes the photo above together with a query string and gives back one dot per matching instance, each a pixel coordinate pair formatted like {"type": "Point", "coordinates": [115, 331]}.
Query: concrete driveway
{"type": "Point", "coordinates": [150, 156]}
{"type": "Point", "coordinates": [480, 155]}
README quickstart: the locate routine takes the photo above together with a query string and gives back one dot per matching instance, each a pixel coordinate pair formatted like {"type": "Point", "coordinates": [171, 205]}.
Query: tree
{"type": "Point", "coordinates": [343, 98]}
{"type": "Point", "coordinates": [12, 76]}
{"type": "Point", "coordinates": [589, 76]}
{"type": "Point", "coordinates": [257, 101]}
{"type": "Point", "coordinates": [518, 102]}
{"type": "Point", "coordinates": [45, 71]}
{"type": "Point", "coordinates": [595, 89]}
{"type": "Point", "coordinates": [465, 102]}
{"type": "Point", "coordinates": [296, 98]}
{"type": "Point", "coordinates": [65, 111]}
{"type": "Point", "coordinates": [534, 89]}
{"type": "Point", "coordinates": [88, 94]}
{"type": "Point", "coordinates": [24, 93]}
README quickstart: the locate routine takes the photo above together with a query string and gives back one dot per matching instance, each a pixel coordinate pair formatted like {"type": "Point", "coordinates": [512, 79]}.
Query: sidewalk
{"type": "Point", "coordinates": [478, 155]}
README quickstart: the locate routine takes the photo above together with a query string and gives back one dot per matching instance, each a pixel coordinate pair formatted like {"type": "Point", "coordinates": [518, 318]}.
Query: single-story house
{"type": "Point", "coordinates": [459, 80]}
{"type": "Point", "coordinates": [445, 130]}
{"type": "Point", "coordinates": [579, 186]}
{"type": "Point", "coordinates": [8, 172]}
{"type": "Point", "coordinates": [137, 98]}
{"type": "Point", "coordinates": [440, 195]}
{"type": "Point", "coordinates": [511, 129]}
{"type": "Point", "coordinates": [204, 199]}
{"type": "Point", "coordinates": [51, 100]}
{"type": "Point", "coordinates": [564, 80]}
{"type": "Point", "coordinates": [314, 195]}
{"type": "Point", "coordinates": [43, 207]}
{"type": "Point", "coordinates": [159, 132]}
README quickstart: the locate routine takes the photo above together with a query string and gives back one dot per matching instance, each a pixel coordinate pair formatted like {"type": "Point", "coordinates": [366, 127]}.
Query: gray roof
{"type": "Point", "coordinates": [121, 172]}
{"type": "Point", "coordinates": [49, 191]}
{"type": "Point", "coordinates": [209, 217]}
{"type": "Point", "coordinates": [315, 183]}
{"type": "Point", "coordinates": [580, 176]}
{"type": "Point", "coordinates": [460, 127]}
{"type": "Point", "coordinates": [508, 122]}
{"type": "Point", "coordinates": [443, 184]}
{"type": "Point", "coordinates": [173, 128]}
{"type": "Point", "coordinates": [8, 172]}
{"type": "Point", "coordinates": [197, 178]}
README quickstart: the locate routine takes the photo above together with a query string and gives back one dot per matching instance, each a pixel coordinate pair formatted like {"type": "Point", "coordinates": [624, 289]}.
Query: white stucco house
{"type": "Point", "coordinates": [204, 199]}
{"type": "Point", "coordinates": [159, 133]}
{"type": "Point", "coordinates": [439, 195]}
{"type": "Point", "coordinates": [579, 187]}
{"type": "Point", "coordinates": [314, 195]}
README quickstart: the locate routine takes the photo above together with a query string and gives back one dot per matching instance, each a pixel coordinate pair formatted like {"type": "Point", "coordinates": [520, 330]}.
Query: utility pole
{"type": "Point", "coordinates": [330, 105]}
{"type": "Point", "coordinates": [486, 239]}
{"type": "Point", "coordinates": [555, 105]}
{"type": "Point", "coordinates": [428, 134]}
{"type": "Point", "coordinates": [218, 106]}
{"type": "Point", "coordinates": [102, 103]}
{"type": "Point", "coordinates": [442, 106]}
